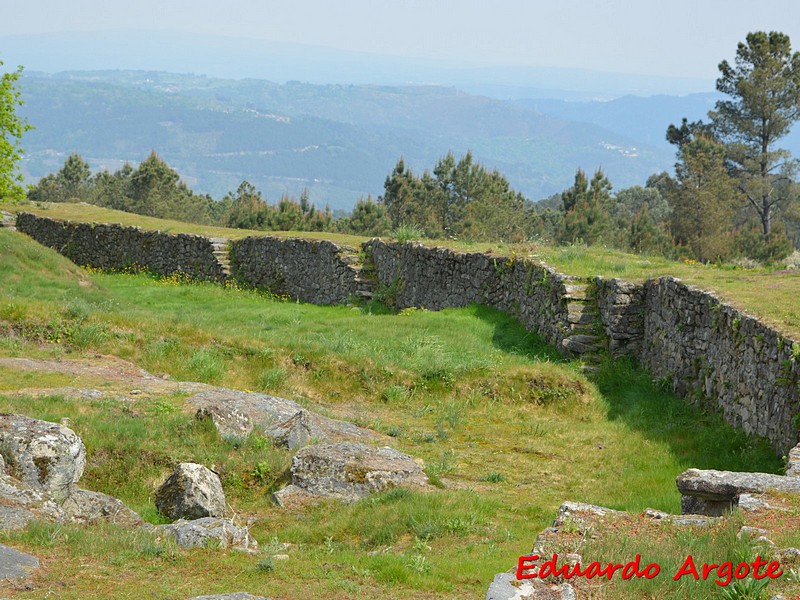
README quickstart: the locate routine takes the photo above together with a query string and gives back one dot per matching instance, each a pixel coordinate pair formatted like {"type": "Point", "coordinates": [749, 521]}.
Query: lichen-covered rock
{"type": "Point", "coordinates": [47, 456]}
{"type": "Point", "coordinates": [506, 586]}
{"type": "Point", "coordinates": [793, 462]}
{"type": "Point", "coordinates": [296, 431]}
{"type": "Point", "coordinates": [349, 471]}
{"type": "Point", "coordinates": [86, 507]}
{"type": "Point", "coordinates": [209, 531]}
{"type": "Point", "coordinates": [191, 492]}
{"type": "Point", "coordinates": [269, 413]}
{"type": "Point", "coordinates": [231, 423]}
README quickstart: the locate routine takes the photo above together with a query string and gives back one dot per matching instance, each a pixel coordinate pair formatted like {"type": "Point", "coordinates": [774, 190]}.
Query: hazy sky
{"type": "Point", "coordinates": [666, 37]}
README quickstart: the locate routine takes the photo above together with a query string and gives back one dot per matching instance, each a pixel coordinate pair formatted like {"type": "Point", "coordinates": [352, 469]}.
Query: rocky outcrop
{"type": "Point", "coordinates": [296, 431]}
{"type": "Point", "coordinates": [15, 564]}
{"type": "Point", "coordinates": [793, 462]}
{"type": "Point", "coordinates": [273, 416]}
{"type": "Point", "coordinates": [47, 456]}
{"type": "Point", "coordinates": [709, 492]}
{"type": "Point", "coordinates": [90, 508]}
{"type": "Point", "coordinates": [348, 471]}
{"type": "Point", "coordinates": [191, 492]}
{"type": "Point", "coordinates": [209, 532]}
{"type": "Point", "coordinates": [506, 586]}
{"type": "Point", "coordinates": [231, 423]}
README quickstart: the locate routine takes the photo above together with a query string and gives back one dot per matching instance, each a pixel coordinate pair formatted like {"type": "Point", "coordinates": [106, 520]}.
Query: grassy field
{"type": "Point", "coordinates": [767, 293]}
{"type": "Point", "coordinates": [506, 428]}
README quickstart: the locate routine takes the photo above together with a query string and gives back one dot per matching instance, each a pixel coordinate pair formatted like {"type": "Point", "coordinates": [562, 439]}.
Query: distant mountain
{"type": "Point", "coordinates": [340, 141]}
{"type": "Point", "coordinates": [641, 118]}
{"type": "Point", "coordinates": [230, 57]}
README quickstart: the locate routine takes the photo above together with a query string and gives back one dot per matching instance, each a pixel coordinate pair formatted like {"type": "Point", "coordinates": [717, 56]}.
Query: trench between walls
{"type": "Point", "coordinates": [706, 350]}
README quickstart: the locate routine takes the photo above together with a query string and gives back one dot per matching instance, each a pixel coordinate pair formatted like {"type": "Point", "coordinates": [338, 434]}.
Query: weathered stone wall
{"type": "Point", "coordinates": [437, 278]}
{"type": "Point", "coordinates": [712, 352]}
{"type": "Point", "coordinates": [620, 308]}
{"type": "Point", "coordinates": [708, 351]}
{"type": "Point", "coordinates": [116, 247]}
{"type": "Point", "coordinates": [315, 271]}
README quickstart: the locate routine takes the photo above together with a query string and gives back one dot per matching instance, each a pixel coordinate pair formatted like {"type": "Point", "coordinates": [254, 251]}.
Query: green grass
{"type": "Point", "coordinates": [507, 429]}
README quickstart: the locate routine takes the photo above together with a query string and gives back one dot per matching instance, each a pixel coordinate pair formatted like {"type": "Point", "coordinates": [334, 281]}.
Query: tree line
{"type": "Point", "coordinates": [733, 192]}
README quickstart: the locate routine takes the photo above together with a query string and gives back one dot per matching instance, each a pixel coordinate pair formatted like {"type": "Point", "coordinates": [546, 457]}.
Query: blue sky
{"type": "Point", "coordinates": [684, 38]}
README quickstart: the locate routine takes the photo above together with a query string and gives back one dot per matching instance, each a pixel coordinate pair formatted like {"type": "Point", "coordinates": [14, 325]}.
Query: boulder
{"type": "Point", "coordinates": [191, 491]}
{"type": "Point", "coordinates": [83, 506]}
{"type": "Point", "coordinates": [14, 564]}
{"type": "Point", "coordinates": [348, 471]}
{"type": "Point", "coordinates": [709, 492]}
{"type": "Point", "coordinates": [231, 423]}
{"type": "Point", "coordinates": [793, 462]}
{"type": "Point", "coordinates": [201, 533]}
{"type": "Point", "coordinates": [267, 412]}
{"type": "Point", "coordinates": [47, 456]}
{"type": "Point", "coordinates": [296, 431]}
{"type": "Point", "coordinates": [506, 586]}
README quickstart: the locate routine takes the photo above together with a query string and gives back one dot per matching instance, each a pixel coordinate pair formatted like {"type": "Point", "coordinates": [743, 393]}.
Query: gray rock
{"type": "Point", "coordinates": [231, 423]}
{"type": "Point", "coordinates": [506, 586]}
{"type": "Point", "coordinates": [48, 456]}
{"type": "Point", "coordinates": [575, 512]}
{"type": "Point", "coordinates": [749, 503]}
{"type": "Point", "coordinates": [191, 491]}
{"type": "Point", "coordinates": [201, 533]}
{"type": "Point", "coordinates": [793, 462]}
{"type": "Point", "coordinates": [267, 412]}
{"type": "Point", "coordinates": [714, 492]}
{"type": "Point", "coordinates": [14, 518]}
{"type": "Point", "coordinates": [349, 471]}
{"type": "Point", "coordinates": [14, 563]}
{"type": "Point", "coordinates": [296, 431]}
{"type": "Point", "coordinates": [83, 506]}
{"type": "Point", "coordinates": [232, 596]}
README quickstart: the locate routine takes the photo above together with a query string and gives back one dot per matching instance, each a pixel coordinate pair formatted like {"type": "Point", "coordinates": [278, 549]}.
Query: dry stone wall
{"type": "Point", "coordinates": [115, 247]}
{"type": "Point", "coordinates": [437, 278]}
{"type": "Point", "coordinates": [708, 351]}
{"type": "Point", "coordinates": [315, 271]}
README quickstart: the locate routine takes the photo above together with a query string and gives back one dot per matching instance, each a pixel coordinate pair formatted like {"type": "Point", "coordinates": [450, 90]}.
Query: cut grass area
{"type": "Point", "coordinates": [766, 293]}
{"type": "Point", "coordinates": [507, 429]}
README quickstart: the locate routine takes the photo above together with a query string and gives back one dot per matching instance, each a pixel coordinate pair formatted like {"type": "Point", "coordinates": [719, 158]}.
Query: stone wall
{"type": "Point", "coordinates": [708, 351]}
{"type": "Point", "coordinates": [712, 352]}
{"type": "Point", "coordinates": [315, 271]}
{"type": "Point", "coordinates": [116, 247]}
{"type": "Point", "coordinates": [620, 309]}
{"type": "Point", "coordinates": [437, 278]}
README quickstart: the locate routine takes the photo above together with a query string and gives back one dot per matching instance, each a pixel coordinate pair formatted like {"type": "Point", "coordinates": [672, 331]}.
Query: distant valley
{"type": "Point", "coordinates": [339, 141]}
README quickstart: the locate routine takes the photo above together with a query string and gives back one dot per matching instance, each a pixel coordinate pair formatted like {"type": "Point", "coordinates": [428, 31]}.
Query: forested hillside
{"type": "Point", "coordinates": [338, 141]}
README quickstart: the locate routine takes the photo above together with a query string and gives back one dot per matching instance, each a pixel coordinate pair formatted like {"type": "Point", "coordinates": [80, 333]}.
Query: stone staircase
{"type": "Point", "coordinates": [584, 339]}
{"type": "Point", "coordinates": [365, 278]}
{"type": "Point", "coordinates": [8, 220]}
{"type": "Point", "coordinates": [222, 254]}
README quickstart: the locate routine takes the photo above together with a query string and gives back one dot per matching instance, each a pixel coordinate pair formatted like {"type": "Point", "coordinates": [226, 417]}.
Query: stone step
{"type": "Point", "coordinates": [575, 291]}
{"type": "Point", "coordinates": [581, 313]}
{"type": "Point", "coordinates": [582, 344]}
